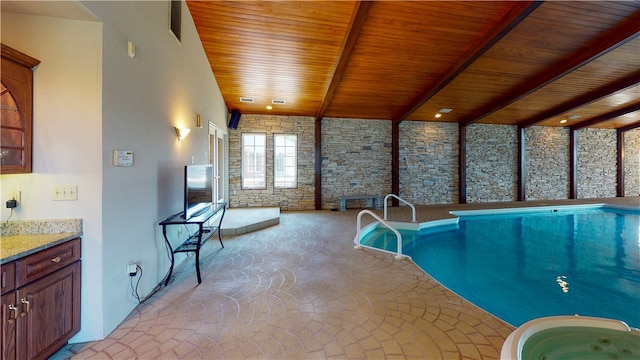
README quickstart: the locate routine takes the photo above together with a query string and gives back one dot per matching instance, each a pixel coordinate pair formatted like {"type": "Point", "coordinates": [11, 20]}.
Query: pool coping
{"type": "Point", "coordinates": [402, 225]}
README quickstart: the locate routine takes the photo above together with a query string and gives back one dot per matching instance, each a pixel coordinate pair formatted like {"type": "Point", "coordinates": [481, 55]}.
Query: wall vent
{"type": "Point", "coordinates": [278, 102]}
{"type": "Point", "coordinates": [246, 100]}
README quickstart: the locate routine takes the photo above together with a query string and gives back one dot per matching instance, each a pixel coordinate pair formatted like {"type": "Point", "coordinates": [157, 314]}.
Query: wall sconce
{"type": "Point", "coordinates": [198, 122]}
{"type": "Point", "coordinates": [182, 133]}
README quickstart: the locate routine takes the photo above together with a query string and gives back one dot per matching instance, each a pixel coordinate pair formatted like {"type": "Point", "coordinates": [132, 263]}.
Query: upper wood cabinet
{"type": "Point", "coordinates": [16, 111]}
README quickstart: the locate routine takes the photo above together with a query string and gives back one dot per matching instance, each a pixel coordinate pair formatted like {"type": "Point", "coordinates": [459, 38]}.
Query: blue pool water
{"type": "Point", "coordinates": [525, 266]}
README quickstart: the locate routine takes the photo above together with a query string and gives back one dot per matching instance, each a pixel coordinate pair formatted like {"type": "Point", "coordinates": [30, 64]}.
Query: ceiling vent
{"type": "Point", "coordinates": [277, 102]}
{"type": "Point", "coordinates": [246, 100]}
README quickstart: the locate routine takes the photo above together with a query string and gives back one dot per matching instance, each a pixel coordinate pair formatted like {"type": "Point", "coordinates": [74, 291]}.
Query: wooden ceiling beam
{"type": "Point", "coordinates": [629, 127]}
{"type": "Point", "coordinates": [596, 95]}
{"type": "Point", "coordinates": [626, 31]}
{"type": "Point", "coordinates": [518, 13]}
{"type": "Point", "coordinates": [358, 20]}
{"type": "Point", "coordinates": [606, 117]}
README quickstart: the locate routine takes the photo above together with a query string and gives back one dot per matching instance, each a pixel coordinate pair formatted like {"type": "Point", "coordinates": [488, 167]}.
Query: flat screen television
{"type": "Point", "coordinates": [198, 189]}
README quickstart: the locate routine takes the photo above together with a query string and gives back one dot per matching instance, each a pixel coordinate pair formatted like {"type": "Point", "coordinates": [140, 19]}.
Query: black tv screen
{"type": "Point", "coordinates": [198, 189]}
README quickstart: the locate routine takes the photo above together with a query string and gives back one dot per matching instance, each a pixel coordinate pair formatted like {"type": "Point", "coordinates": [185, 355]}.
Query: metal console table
{"type": "Point", "coordinates": [194, 242]}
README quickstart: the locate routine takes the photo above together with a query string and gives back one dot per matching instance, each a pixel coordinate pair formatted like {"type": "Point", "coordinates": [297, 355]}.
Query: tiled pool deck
{"type": "Point", "coordinates": [299, 290]}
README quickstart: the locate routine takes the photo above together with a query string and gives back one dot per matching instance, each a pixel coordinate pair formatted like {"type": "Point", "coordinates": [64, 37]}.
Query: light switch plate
{"type": "Point", "coordinates": [65, 192]}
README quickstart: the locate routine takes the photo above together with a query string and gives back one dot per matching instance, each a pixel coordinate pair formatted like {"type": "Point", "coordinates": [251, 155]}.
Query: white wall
{"type": "Point", "coordinates": [66, 137]}
{"type": "Point", "coordinates": [165, 85]}
{"type": "Point", "coordinates": [94, 98]}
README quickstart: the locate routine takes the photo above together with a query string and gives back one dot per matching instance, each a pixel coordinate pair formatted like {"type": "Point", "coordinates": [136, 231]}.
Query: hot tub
{"type": "Point", "coordinates": [572, 337]}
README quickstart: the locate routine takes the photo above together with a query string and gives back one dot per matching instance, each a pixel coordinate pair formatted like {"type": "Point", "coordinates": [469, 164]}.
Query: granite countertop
{"type": "Point", "coordinates": [22, 238]}
{"type": "Point", "coordinates": [17, 246]}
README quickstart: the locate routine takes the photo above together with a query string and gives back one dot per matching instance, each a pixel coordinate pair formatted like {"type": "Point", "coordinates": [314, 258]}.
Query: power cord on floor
{"type": "Point", "coordinates": [134, 289]}
{"type": "Point", "coordinates": [155, 290]}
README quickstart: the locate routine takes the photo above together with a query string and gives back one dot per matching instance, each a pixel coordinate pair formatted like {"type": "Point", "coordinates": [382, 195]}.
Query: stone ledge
{"type": "Point", "coordinates": [239, 221]}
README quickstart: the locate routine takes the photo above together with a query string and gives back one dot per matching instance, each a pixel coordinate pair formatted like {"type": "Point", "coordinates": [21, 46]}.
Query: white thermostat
{"type": "Point", "coordinates": [122, 158]}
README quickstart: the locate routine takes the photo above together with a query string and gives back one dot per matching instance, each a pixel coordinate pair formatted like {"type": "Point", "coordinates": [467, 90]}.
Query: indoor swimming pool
{"type": "Point", "coordinates": [522, 264]}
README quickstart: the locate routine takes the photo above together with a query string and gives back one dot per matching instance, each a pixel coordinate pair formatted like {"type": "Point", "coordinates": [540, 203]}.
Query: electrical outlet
{"type": "Point", "coordinates": [15, 195]}
{"type": "Point", "coordinates": [132, 269]}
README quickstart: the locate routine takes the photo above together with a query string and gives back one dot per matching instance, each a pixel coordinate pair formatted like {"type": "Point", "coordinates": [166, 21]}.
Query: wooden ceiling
{"type": "Point", "coordinates": [511, 62]}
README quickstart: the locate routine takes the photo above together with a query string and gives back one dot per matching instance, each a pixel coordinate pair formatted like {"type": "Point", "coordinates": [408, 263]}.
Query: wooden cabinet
{"type": "Point", "coordinates": [8, 329]}
{"type": "Point", "coordinates": [16, 111]}
{"type": "Point", "coordinates": [8, 277]}
{"type": "Point", "coordinates": [42, 312]}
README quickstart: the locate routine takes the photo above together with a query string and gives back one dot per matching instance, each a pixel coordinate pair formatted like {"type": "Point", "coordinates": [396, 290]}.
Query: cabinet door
{"type": "Point", "coordinates": [52, 307]}
{"type": "Point", "coordinates": [8, 328]}
{"type": "Point", "coordinates": [8, 277]}
{"type": "Point", "coordinates": [16, 110]}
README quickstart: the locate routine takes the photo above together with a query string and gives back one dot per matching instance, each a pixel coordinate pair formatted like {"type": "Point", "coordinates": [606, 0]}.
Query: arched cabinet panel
{"type": "Point", "coordinates": [16, 111]}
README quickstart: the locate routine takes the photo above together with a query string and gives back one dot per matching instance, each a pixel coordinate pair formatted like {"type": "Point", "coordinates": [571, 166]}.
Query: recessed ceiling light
{"type": "Point", "coordinates": [445, 110]}
{"type": "Point", "coordinates": [438, 115]}
{"type": "Point", "coordinates": [269, 107]}
{"type": "Point", "coordinates": [563, 121]}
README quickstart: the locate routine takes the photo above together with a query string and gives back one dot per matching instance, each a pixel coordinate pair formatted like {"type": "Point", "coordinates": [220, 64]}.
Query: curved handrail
{"type": "Point", "coordinates": [413, 208]}
{"type": "Point", "coordinates": [383, 222]}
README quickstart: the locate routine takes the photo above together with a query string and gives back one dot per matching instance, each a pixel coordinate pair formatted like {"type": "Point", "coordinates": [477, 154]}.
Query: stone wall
{"type": "Point", "coordinates": [596, 165]}
{"type": "Point", "coordinates": [356, 159]}
{"type": "Point", "coordinates": [632, 163]}
{"type": "Point", "coordinates": [300, 198]}
{"type": "Point", "coordinates": [492, 163]}
{"type": "Point", "coordinates": [428, 162]}
{"type": "Point", "coordinates": [547, 163]}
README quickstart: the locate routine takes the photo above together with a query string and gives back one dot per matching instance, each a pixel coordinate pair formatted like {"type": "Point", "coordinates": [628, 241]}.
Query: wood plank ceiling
{"type": "Point", "coordinates": [512, 62]}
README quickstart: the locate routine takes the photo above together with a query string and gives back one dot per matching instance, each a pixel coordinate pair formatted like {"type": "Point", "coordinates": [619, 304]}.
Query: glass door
{"type": "Point", "coordinates": [217, 159]}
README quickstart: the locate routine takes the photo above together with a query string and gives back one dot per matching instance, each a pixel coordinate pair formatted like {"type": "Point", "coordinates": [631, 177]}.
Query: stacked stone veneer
{"type": "Point", "coordinates": [300, 198]}
{"type": "Point", "coordinates": [547, 163]}
{"type": "Point", "coordinates": [492, 163]}
{"type": "Point", "coordinates": [356, 159]}
{"type": "Point", "coordinates": [428, 162]}
{"type": "Point", "coordinates": [632, 163]}
{"type": "Point", "coordinates": [596, 165]}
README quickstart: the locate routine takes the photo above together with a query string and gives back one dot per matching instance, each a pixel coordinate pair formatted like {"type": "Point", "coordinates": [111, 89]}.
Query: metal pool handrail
{"type": "Point", "coordinates": [383, 222]}
{"type": "Point", "coordinates": [413, 208]}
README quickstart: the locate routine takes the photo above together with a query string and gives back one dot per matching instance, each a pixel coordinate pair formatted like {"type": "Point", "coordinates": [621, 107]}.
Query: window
{"type": "Point", "coordinates": [175, 18]}
{"type": "Point", "coordinates": [285, 163]}
{"type": "Point", "coordinates": [254, 148]}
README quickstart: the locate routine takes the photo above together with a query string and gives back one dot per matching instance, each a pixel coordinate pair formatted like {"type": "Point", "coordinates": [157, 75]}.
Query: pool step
{"type": "Point", "coordinates": [385, 239]}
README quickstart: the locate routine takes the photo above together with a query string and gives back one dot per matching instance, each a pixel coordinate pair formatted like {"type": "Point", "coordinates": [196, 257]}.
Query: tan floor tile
{"type": "Point", "coordinates": [457, 336]}
{"type": "Point", "coordinates": [300, 290]}
{"type": "Point", "coordinates": [99, 356]}
{"type": "Point", "coordinates": [469, 351]}
{"type": "Point", "coordinates": [374, 354]}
